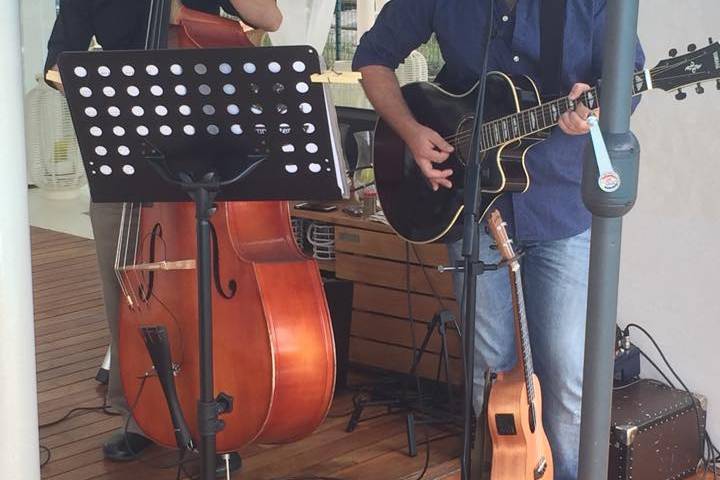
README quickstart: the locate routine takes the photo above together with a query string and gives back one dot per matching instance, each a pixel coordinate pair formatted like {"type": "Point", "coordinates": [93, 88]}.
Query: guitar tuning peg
{"type": "Point", "coordinates": [710, 40]}
{"type": "Point", "coordinates": [680, 95]}
{"type": "Point", "coordinates": [692, 47]}
{"type": "Point", "coordinates": [673, 52]}
{"type": "Point", "coordinates": [700, 89]}
{"type": "Point", "coordinates": [718, 84]}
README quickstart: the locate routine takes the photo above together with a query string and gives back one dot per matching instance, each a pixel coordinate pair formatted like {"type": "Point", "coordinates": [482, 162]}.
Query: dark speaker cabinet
{"type": "Point", "coordinates": [657, 432]}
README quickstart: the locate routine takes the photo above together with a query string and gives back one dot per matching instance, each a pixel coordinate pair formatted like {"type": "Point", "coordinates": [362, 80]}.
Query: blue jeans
{"type": "Point", "coordinates": [555, 276]}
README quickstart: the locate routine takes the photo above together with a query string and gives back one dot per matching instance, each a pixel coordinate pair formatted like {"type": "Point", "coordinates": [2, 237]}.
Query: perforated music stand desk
{"type": "Point", "coordinates": [202, 125]}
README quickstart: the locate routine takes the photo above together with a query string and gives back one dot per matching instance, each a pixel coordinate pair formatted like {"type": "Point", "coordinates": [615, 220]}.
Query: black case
{"type": "Point", "coordinates": [656, 432]}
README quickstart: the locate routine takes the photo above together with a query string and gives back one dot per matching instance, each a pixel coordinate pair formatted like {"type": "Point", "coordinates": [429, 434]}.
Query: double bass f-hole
{"type": "Point", "coordinates": [232, 284]}
{"type": "Point", "coordinates": [146, 293]}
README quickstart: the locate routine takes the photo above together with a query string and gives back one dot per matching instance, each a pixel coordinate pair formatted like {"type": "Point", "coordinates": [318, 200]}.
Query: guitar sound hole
{"type": "Point", "coordinates": [463, 138]}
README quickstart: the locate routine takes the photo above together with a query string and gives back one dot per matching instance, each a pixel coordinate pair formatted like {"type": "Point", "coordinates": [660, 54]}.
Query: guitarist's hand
{"type": "Point", "coordinates": [575, 122]}
{"type": "Point", "coordinates": [428, 148]}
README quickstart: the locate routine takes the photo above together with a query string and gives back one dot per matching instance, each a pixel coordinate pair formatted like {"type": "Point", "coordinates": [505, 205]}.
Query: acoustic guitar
{"type": "Point", "coordinates": [515, 121]}
{"type": "Point", "coordinates": [520, 448]}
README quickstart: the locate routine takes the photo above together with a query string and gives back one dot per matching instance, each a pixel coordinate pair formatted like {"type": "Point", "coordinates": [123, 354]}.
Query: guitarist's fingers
{"type": "Point", "coordinates": [440, 181]}
{"type": "Point", "coordinates": [440, 142]}
{"type": "Point", "coordinates": [435, 156]}
{"type": "Point", "coordinates": [577, 90]}
{"type": "Point", "coordinates": [433, 173]}
{"type": "Point", "coordinates": [573, 124]}
{"type": "Point", "coordinates": [436, 184]}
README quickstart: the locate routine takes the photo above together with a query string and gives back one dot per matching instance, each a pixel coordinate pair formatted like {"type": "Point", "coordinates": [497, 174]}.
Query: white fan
{"type": "Point", "coordinates": [53, 154]}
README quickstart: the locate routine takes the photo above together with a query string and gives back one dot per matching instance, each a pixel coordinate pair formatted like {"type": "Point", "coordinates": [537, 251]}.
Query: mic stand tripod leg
{"type": "Point", "coordinates": [439, 321]}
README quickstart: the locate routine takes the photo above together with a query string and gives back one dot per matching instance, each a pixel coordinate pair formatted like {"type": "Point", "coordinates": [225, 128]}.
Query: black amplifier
{"type": "Point", "coordinates": [657, 432]}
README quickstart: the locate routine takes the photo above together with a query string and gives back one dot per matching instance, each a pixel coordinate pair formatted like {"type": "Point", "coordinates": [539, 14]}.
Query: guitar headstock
{"type": "Point", "coordinates": [692, 68]}
{"type": "Point", "coordinates": [500, 235]}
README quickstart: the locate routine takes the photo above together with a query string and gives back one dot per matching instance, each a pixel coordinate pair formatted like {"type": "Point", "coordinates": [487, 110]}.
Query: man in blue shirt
{"type": "Point", "coordinates": [549, 221]}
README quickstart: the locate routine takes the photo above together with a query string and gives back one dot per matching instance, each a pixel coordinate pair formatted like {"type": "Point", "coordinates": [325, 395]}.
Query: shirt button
{"type": "Point", "coordinates": [516, 59]}
{"type": "Point", "coordinates": [505, 18]}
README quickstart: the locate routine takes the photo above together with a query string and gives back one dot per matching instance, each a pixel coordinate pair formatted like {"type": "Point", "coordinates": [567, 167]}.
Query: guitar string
{"type": "Point", "coordinates": [547, 108]}
{"type": "Point", "coordinates": [543, 109]}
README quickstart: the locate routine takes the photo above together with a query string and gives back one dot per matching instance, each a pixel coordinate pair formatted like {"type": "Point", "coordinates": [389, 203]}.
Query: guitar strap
{"type": "Point", "coordinates": [552, 28]}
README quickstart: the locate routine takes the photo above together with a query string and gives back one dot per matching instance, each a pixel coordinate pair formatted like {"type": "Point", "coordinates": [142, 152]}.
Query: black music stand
{"type": "Point", "coordinates": [204, 125]}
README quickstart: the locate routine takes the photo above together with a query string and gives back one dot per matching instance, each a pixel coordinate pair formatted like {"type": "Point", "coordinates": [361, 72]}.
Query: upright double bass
{"type": "Point", "coordinates": [272, 336]}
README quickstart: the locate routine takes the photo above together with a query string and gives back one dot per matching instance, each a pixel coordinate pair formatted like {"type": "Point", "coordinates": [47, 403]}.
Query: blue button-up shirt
{"type": "Point", "coordinates": [552, 208]}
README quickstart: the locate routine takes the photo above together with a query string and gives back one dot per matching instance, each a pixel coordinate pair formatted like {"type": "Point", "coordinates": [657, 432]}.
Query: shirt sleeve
{"type": "Point", "coordinates": [72, 31]}
{"type": "Point", "coordinates": [599, 43]}
{"type": "Point", "coordinates": [401, 27]}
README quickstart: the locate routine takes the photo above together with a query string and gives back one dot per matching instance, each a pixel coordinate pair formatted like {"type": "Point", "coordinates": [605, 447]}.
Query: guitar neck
{"type": "Point", "coordinates": [513, 127]}
{"type": "Point", "coordinates": [523, 336]}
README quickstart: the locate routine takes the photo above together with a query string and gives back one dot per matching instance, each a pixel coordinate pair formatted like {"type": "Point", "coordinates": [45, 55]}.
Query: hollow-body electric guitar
{"type": "Point", "coordinates": [515, 121]}
{"type": "Point", "coordinates": [520, 448]}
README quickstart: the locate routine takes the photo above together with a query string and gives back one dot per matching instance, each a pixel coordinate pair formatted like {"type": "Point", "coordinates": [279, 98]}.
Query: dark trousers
{"type": "Point", "coordinates": [105, 218]}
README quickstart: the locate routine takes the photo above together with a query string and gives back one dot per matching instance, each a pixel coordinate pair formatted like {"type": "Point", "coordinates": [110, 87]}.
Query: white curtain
{"type": "Point", "coordinates": [305, 22]}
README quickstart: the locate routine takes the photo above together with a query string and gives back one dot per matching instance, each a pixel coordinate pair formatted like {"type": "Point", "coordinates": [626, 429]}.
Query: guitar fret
{"type": "Point", "coordinates": [515, 126]}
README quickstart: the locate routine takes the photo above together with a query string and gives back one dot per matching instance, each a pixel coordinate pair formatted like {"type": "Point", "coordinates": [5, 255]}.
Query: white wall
{"type": "Point", "coordinates": [670, 262]}
{"type": "Point", "coordinates": [38, 17]}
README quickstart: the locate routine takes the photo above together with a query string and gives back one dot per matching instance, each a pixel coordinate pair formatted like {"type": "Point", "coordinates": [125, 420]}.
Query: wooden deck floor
{"type": "Point", "coordinates": [72, 338]}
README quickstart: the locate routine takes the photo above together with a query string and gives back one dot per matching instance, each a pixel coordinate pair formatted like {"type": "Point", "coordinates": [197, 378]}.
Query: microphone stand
{"type": "Point", "coordinates": [471, 251]}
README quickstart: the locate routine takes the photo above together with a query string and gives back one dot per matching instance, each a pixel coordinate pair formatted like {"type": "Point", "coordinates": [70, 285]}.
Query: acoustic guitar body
{"type": "Point", "coordinates": [519, 453]}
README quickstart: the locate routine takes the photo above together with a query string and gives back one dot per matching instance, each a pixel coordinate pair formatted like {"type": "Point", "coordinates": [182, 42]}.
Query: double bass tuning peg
{"type": "Point", "coordinates": [680, 95]}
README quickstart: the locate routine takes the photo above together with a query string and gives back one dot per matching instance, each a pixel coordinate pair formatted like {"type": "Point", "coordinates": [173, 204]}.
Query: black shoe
{"type": "Point", "coordinates": [235, 464]}
{"type": "Point", "coordinates": [123, 447]}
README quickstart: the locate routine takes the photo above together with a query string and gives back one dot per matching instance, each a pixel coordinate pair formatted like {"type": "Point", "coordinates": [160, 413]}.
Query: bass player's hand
{"type": "Point", "coordinates": [429, 148]}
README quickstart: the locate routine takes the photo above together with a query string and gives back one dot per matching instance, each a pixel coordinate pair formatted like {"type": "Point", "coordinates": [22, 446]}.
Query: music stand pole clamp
{"type": "Point", "coordinates": [608, 205]}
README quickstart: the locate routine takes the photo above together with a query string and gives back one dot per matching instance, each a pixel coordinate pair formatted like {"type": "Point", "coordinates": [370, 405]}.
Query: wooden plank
{"type": "Point", "coordinates": [399, 359]}
{"type": "Point", "coordinates": [385, 273]}
{"type": "Point", "coordinates": [71, 339]}
{"type": "Point", "coordinates": [397, 331]}
{"type": "Point", "coordinates": [395, 302]}
{"type": "Point", "coordinates": [338, 217]}
{"type": "Point", "coordinates": [384, 245]}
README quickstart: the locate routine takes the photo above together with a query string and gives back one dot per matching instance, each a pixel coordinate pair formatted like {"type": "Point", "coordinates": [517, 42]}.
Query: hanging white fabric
{"type": "Point", "coordinates": [305, 22]}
